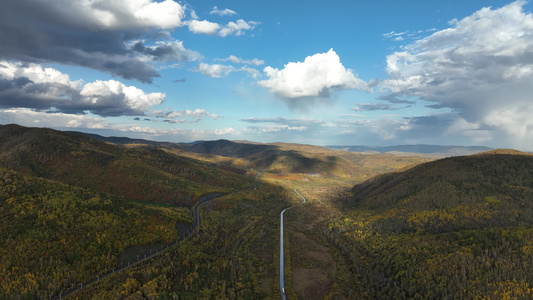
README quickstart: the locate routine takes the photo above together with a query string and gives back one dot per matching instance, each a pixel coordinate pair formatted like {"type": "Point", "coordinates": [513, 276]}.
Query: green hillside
{"type": "Point", "coordinates": [53, 235]}
{"type": "Point", "coordinates": [233, 256]}
{"type": "Point", "coordinates": [282, 158]}
{"type": "Point", "coordinates": [72, 207]}
{"type": "Point", "coordinates": [142, 173]}
{"type": "Point", "coordinates": [286, 158]}
{"type": "Point", "coordinates": [455, 228]}
{"type": "Point", "coordinates": [276, 158]}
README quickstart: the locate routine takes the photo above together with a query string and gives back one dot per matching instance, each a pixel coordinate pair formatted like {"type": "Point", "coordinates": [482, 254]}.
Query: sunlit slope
{"type": "Point", "coordinates": [298, 158]}
{"type": "Point", "coordinates": [455, 228]}
{"type": "Point", "coordinates": [141, 173]}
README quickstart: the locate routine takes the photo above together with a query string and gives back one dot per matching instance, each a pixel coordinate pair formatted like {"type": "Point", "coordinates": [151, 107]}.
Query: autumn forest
{"type": "Point", "coordinates": [89, 217]}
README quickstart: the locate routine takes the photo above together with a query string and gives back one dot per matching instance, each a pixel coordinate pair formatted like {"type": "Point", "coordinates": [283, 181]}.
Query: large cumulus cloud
{"type": "Point", "coordinates": [316, 76]}
{"type": "Point", "coordinates": [481, 68]}
{"type": "Point", "coordinates": [96, 34]}
{"type": "Point", "coordinates": [31, 86]}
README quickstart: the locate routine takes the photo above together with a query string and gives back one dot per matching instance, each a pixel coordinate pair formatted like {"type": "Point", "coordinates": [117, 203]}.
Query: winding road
{"type": "Point", "coordinates": [203, 199]}
{"type": "Point", "coordinates": [281, 251]}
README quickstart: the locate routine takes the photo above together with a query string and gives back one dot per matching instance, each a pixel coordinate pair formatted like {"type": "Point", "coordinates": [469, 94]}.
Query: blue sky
{"type": "Point", "coordinates": [324, 73]}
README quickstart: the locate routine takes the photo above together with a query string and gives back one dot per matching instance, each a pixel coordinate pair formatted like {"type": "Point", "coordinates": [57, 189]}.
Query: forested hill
{"type": "Point", "coordinates": [142, 173]}
{"type": "Point", "coordinates": [229, 148]}
{"type": "Point", "coordinates": [303, 159]}
{"type": "Point", "coordinates": [456, 228]}
{"type": "Point", "coordinates": [53, 235]}
{"type": "Point", "coordinates": [73, 208]}
{"type": "Point", "coordinates": [503, 174]}
{"type": "Point", "coordinates": [281, 157]}
{"type": "Point", "coordinates": [278, 158]}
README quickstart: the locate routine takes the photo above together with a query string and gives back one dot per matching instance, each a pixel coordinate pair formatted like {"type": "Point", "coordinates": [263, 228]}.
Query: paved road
{"type": "Point", "coordinates": [281, 252]}
{"type": "Point", "coordinates": [201, 201]}
{"type": "Point", "coordinates": [304, 200]}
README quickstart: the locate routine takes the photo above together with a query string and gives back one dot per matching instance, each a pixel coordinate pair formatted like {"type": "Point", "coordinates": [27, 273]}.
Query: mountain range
{"type": "Point", "coordinates": [394, 225]}
{"type": "Point", "coordinates": [434, 150]}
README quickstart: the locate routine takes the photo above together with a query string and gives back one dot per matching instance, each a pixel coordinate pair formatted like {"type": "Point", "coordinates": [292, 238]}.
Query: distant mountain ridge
{"type": "Point", "coordinates": [124, 140]}
{"type": "Point", "coordinates": [420, 148]}
{"type": "Point", "coordinates": [239, 149]}
{"type": "Point", "coordinates": [228, 148]}
{"type": "Point", "coordinates": [283, 157]}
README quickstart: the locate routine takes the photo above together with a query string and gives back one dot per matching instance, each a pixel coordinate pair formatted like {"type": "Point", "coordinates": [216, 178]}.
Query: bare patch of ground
{"type": "Point", "coordinates": [313, 267]}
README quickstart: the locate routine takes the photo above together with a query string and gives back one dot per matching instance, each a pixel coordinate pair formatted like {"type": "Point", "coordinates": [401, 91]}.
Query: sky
{"type": "Point", "coordinates": [376, 73]}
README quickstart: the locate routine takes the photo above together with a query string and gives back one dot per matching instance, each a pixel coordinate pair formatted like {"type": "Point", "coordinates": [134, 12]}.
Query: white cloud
{"type": "Point", "coordinates": [183, 116]}
{"type": "Point", "coordinates": [237, 60]}
{"type": "Point", "coordinates": [193, 14]}
{"type": "Point", "coordinates": [234, 59]}
{"type": "Point", "coordinates": [472, 131]}
{"type": "Point", "coordinates": [218, 70]}
{"type": "Point", "coordinates": [130, 14]}
{"type": "Point", "coordinates": [47, 89]}
{"type": "Point", "coordinates": [203, 27]}
{"type": "Point", "coordinates": [30, 117]}
{"type": "Point", "coordinates": [255, 61]}
{"type": "Point", "coordinates": [224, 131]}
{"type": "Point", "coordinates": [384, 129]}
{"type": "Point", "coordinates": [514, 121]}
{"type": "Point", "coordinates": [111, 91]}
{"type": "Point", "coordinates": [272, 128]}
{"type": "Point", "coordinates": [481, 68]}
{"type": "Point", "coordinates": [197, 113]}
{"type": "Point", "coordinates": [316, 76]}
{"type": "Point", "coordinates": [372, 106]}
{"type": "Point", "coordinates": [223, 12]}
{"type": "Point", "coordinates": [214, 70]}
{"type": "Point", "coordinates": [237, 28]}
{"type": "Point", "coordinates": [87, 123]}
{"type": "Point", "coordinates": [97, 34]}
{"type": "Point", "coordinates": [232, 28]}
{"type": "Point", "coordinates": [329, 131]}
{"type": "Point", "coordinates": [165, 15]}
{"type": "Point", "coordinates": [36, 74]}
{"type": "Point", "coordinates": [395, 35]}
{"type": "Point", "coordinates": [352, 116]}
{"type": "Point", "coordinates": [285, 127]}
{"type": "Point", "coordinates": [251, 72]}
{"type": "Point", "coordinates": [329, 124]}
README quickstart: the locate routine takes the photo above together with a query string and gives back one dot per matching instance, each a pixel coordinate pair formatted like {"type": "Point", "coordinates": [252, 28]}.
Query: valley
{"type": "Point", "coordinates": [374, 225]}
